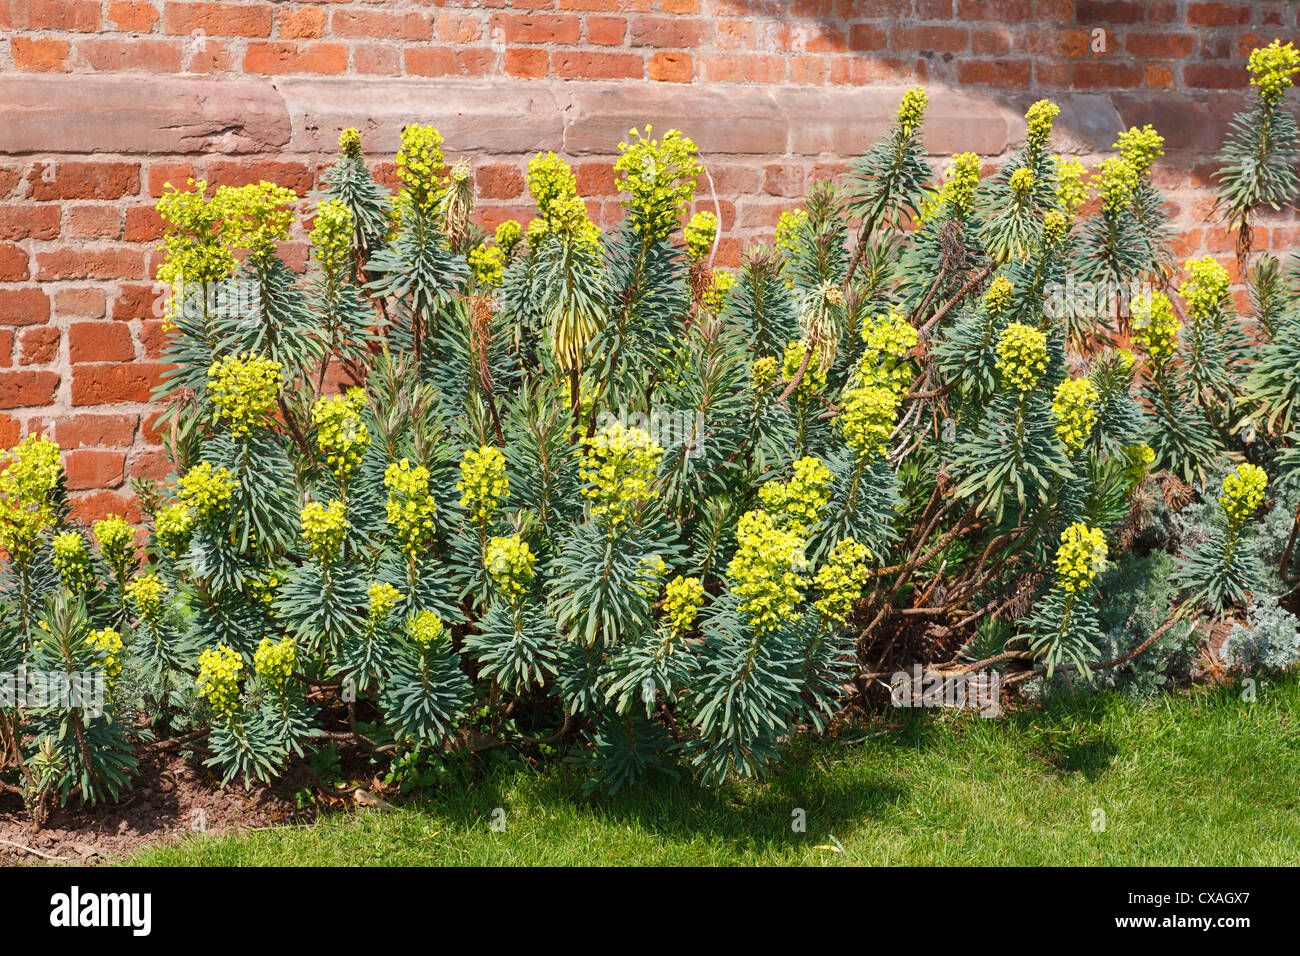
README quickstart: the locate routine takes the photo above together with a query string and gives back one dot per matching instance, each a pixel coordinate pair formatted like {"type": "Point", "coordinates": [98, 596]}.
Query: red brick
{"type": "Point", "coordinates": [994, 72]}
{"type": "Point", "coordinates": [670, 66]}
{"type": "Point", "coordinates": [13, 263]}
{"type": "Point", "coordinates": [363, 24]}
{"type": "Point", "coordinates": [211, 55]}
{"type": "Point", "coordinates": [87, 430]}
{"type": "Point", "coordinates": [73, 180]}
{"type": "Point", "coordinates": [99, 504]}
{"type": "Point", "coordinates": [458, 27]}
{"type": "Point", "coordinates": [301, 23]}
{"type": "Point", "coordinates": [995, 41]}
{"type": "Point", "coordinates": [27, 388]}
{"type": "Point", "coordinates": [1163, 45]}
{"type": "Point", "coordinates": [1212, 76]}
{"type": "Point", "coordinates": [809, 69]}
{"type": "Point", "coordinates": [1107, 11]}
{"type": "Point", "coordinates": [1099, 75]}
{"type": "Point", "coordinates": [99, 342]}
{"type": "Point", "coordinates": [1008, 11]}
{"type": "Point", "coordinates": [152, 463]}
{"type": "Point", "coordinates": [945, 39]}
{"type": "Point", "coordinates": [153, 338]}
{"type": "Point", "coordinates": [667, 32]}
{"type": "Point", "coordinates": [499, 181]}
{"type": "Point", "coordinates": [742, 68]}
{"type": "Point", "coordinates": [605, 31]}
{"type": "Point", "coordinates": [81, 16]}
{"type": "Point", "coordinates": [24, 307]}
{"type": "Point", "coordinates": [39, 346]}
{"type": "Point", "coordinates": [9, 178]}
{"type": "Point", "coordinates": [83, 303]}
{"type": "Point", "coordinates": [132, 16]}
{"type": "Point", "coordinates": [866, 37]}
{"type": "Point", "coordinates": [1158, 76]}
{"type": "Point", "coordinates": [145, 54]}
{"type": "Point", "coordinates": [143, 224]}
{"type": "Point", "coordinates": [526, 63]}
{"type": "Point", "coordinates": [6, 353]}
{"type": "Point", "coordinates": [93, 222]}
{"type": "Point", "coordinates": [382, 59]}
{"type": "Point", "coordinates": [10, 431]}
{"type": "Point", "coordinates": [94, 468]}
{"type": "Point", "coordinates": [39, 53]}
{"type": "Point", "coordinates": [107, 384]}
{"type": "Point", "coordinates": [29, 222]}
{"type": "Point", "coordinates": [279, 58]}
{"type": "Point", "coordinates": [581, 64]}
{"type": "Point", "coordinates": [218, 19]}
{"type": "Point", "coordinates": [1218, 14]}
{"type": "Point", "coordinates": [537, 27]}
{"type": "Point", "coordinates": [295, 176]}
{"type": "Point", "coordinates": [82, 263]}
{"type": "Point", "coordinates": [136, 302]}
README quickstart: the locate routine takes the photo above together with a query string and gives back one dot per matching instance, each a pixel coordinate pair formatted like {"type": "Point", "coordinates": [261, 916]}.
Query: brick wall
{"type": "Point", "coordinates": [103, 101]}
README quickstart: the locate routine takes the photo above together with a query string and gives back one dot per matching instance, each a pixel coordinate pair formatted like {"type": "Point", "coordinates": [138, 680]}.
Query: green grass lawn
{"type": "Point", "coordinates": [1199, 779]}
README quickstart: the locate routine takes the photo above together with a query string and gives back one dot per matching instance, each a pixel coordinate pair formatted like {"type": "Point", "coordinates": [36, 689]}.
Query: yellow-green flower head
{"type": "Point", "coordinates": [244, 389]}
{"type": "Point", "coordinates": [1271, 69]}
{"type": "Point", "coordinates": [420, 163]}
{"type": "Point", "coordinates": [194, 249]}
{"type": "Point", "coordinates": [172, 527]}
{"type": "Point", "coordinates": [116, 539]}
{"type": "Point", "coordinates": [383, 598]}
{"type": "Point", "coordinates": [72, 561]}
{"type": "Point", "coordinates": [508, 235]}
{"type": "Point", "coordinates": [797, 503]}
{"type": "Point", "coordinates": [1126, 359]}
{"type": "Point", "coordinates": [912, 110]}
{"type": "Point", "coordinates": [1243, 493]}
{"type": "Point", "coordinates": [867, 417]}
{"type": "Point", "coordinates": [207, 490]}
{"type": "Point", "coordinates": [1038, 120]}
{"type": "Point", "coordinates": [488, 263]}
{"type": "Point", "coordinates": [146, 592]}
{"type": "Point", "coordinates": [550, 182]}
{"type": "Point", "coordinates": [1021, 183]}
{"type": "Point", "coordinates": [998, 299]}
{"type": "Point", "coordinates": [410, 507]}
{"type": "Point", "coordinates": [890, 334]}
{"type": "Point", "coordinates": [424, 627]}
{"type": "Point", "coordinates": [33, 472]}
{"type": "Point", "coordinates": [1022, 356]}
{"type": "Point", "coordinates": [483, 482]}
{"type": "Point", "coordinates": [331, 235]}
{"type": "Point", "coordinates": [1071, 193]}
{"type": "Point", "coordinates": [323, 529]}
{"type": "Point", "coordinates": [814, 377]}
{"type": "Point", "coordinates": [1155, 326]}
{"type": "Point", "coordinates": [1140, 146]}
{"type": "Point", "coordinates": [341, 435]}
{"type": "Point", "coordinates": [350, 142]}
{"type": "Point", "coordinates": [220, 671]}
{"type": "Point", "coordinates": [789, 232]}
{"type": "Point", "coordinates": [1138, 460]}
{"type": "Point", "coordinates": [683, 598]}
{"type": "Point", "coordinates": [1075, 408]}
{"type": "Point", "coordinates": [767, 571]}
{"type": "Point", "coordinates": [263, 587]}
{"type": "Point", "coordinates": [764, 373]}
{"type": "Point", "coordinates": [510, 563]}
{"type": "Point", "coordinates": [841, 579]}
{"type": "Point", "coordinates": [1205, 286]}
{"type": "Point", "coordinates": [618, 469]}
{"type": "Point", "coordinates": [715, 296]}
{"type": "Point", "coordinates": [109, 644]}
{"type": "Point", "coordinates": [963, 180]}
{"type": "Point", "coordinates": [274, 662]}
{"type": "Point", "coordinates": [1056, 225]}
{"type": "Point", "coordinates": [257, 216]}
{"type": "Point", "coordinates": [700, 233]}
{"type": "Point", "coordinates": [661, 176]}
{"type": "Point", "coordinates": [1118, 182]}
{"type": "Point", "coordinates": [1080, 558]}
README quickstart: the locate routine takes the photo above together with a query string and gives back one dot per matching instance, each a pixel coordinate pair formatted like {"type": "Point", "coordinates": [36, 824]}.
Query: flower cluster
{"type": "Point", "coordinates": [963, 180]}
{"type": "Point", "coordinates": [508, 235]}
{"type": "Point", "coordinates": [1205, 286]}
{"type": "Point", "coordinates": [700, 233]}
{"type": "Point", "coordinates": [789, 232]}
{"type": "Point", "coordinates": [483, 482]}
{"type": "Point", "coordinates": [797, 503]}
{"type": "Point", "coordinates": [488, 263]}
{"type": "Point", "coordinates": [510, 562]}
{"type": "Point", "coordinates": [1140, 146]}
{"type": "Point", "coordinates": [27, 486]}
{"type": "Point", "coordinates": [1118, 181]}
{"type": "Point", "coordinates": [193, 247]}
{"type": "Point", "coordinates": [257, 216]}
{"type": "Point", "coordinates": [383, 598]}
{"type": "Point", "coordinates": [207, 490]}
{"type": "Point", "coordinates": [323, 529]}
{"type": "Point", "coordinates": [998, 299]}
{"type": "Point", "coordinates": [661, 176]}
{"type": "Point", "coordinates": [274, 662]}
{"type": "Point", "coordinates": [350, 143]}
{"type": "Point", "coordinates": [1038, 120]}
{"type": "Point", "coordinates": [618, 469]}
{"type": "Point", "coordinates": [888, 338]}
{"type": "Point", "coordinates": [109, 644]}
{"type": "Point", "coordinates": [116, 539]}
{"type": "Point", "coordinates": [683, 597]}
{"type": "Point", "coordinates": [1075, 408]}
{"type": "Point", "coordinates": [1055, 225]}
{"type": "Point", "coordinates": [420, 165]}
{"type": "Point", "coordinates": [72, 561]}
{"type": "Point", "coordinates": [715, 296]}
{"type": "Point", "coordinates": [331, 235]}
{"type": "Point", "coordinates": [814, 376]}
{"type": "Point", "coordinates": [1021, 183]}
{"type": "Point", "coordinates": [172, 526]}
{"type": "Point", "coordinates": [1243, 493]}
{"type": "Point", "coordinates": [1155, 326]}
{"type": "Point", "coordinates": [1138, 460]}
{"type": "Point", "coordinates": [1271, 69]}
{"type": "Point", "coordinates": [244, 389]}
{"type": "Point", "coordinates": [424, 627]}
{"type": "Point", "coordinates": [912, 109]}
{"type": "Point", "coordinates": [1080, 558]}
{"type": "Point", "coordinates": [1022, 356]}
{"type": "Point", "coordinates": [867, 417]}
{"type": "Point", "coordinates": [766, 571]}
{"type": "Point", "coordinates": [410, 507]}
{"type": "Point", "coordinates": [341, 435]}
{"type": "Point", "coordinates": [220, 670]}
{"type": "Point", "coordinates": [763, 373]}
{"type": "Point", "coordinates": [562, 212]}
{"type": "Point", "coordinates": [840, 580]}
{"type": "Point", "coordinates": [146, 593]}
{"type": "Point", "coordinates": [1071, 193]}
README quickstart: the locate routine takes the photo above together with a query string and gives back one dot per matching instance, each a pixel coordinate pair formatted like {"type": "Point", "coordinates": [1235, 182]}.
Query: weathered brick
{"type": "Point", "coordinates": [93, 468]}
{"type": "Point", "coordinates": [39, 346]}
{"type": "Point", "coordinates": [217, 19]}
{"type": "Point", "coordinates": [604, 31]}
{"type": "Point", "coordinates": [39, 53]}
{"type": "Point", "coordinates": [281, 57]}
{"type": "Point", "coordinates": [144, 54]}
{"type": "Point", "coordinates": [132, 16]}
{"type": "Point", "coordinates": [363, 24]}
{"type": "Point", "coordinates": [301, 23]}
{"type": "Point", "coordinates": [29, 222]}
{"type": "Point", "coordinates": [670, 66]}
{"type": "Point", "coordinates": [583, 64]}
{"type": "Point", "coordinates": [99, 221]}
{"type": "Point", "coordinates": [82, 263]}
{"type": "Point", "coordinates": [24, 307]}
{"type": "Point", "coordinates": [99, 342]}
{"type": "Point", "coordinates": [527, 63]}
{"type": "Point", "coordinates": [537, 28]}
{"type": "Point", "coordinates": [13, 263]}
{"type": "Point", "coordinates": [1218, 14]}
{"type": "Point", "coordinates": [111, 384]}
{"type": "Point", "coordinates": [81, 180]}
{"type": "Point", "coordinates": [27, 388]}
